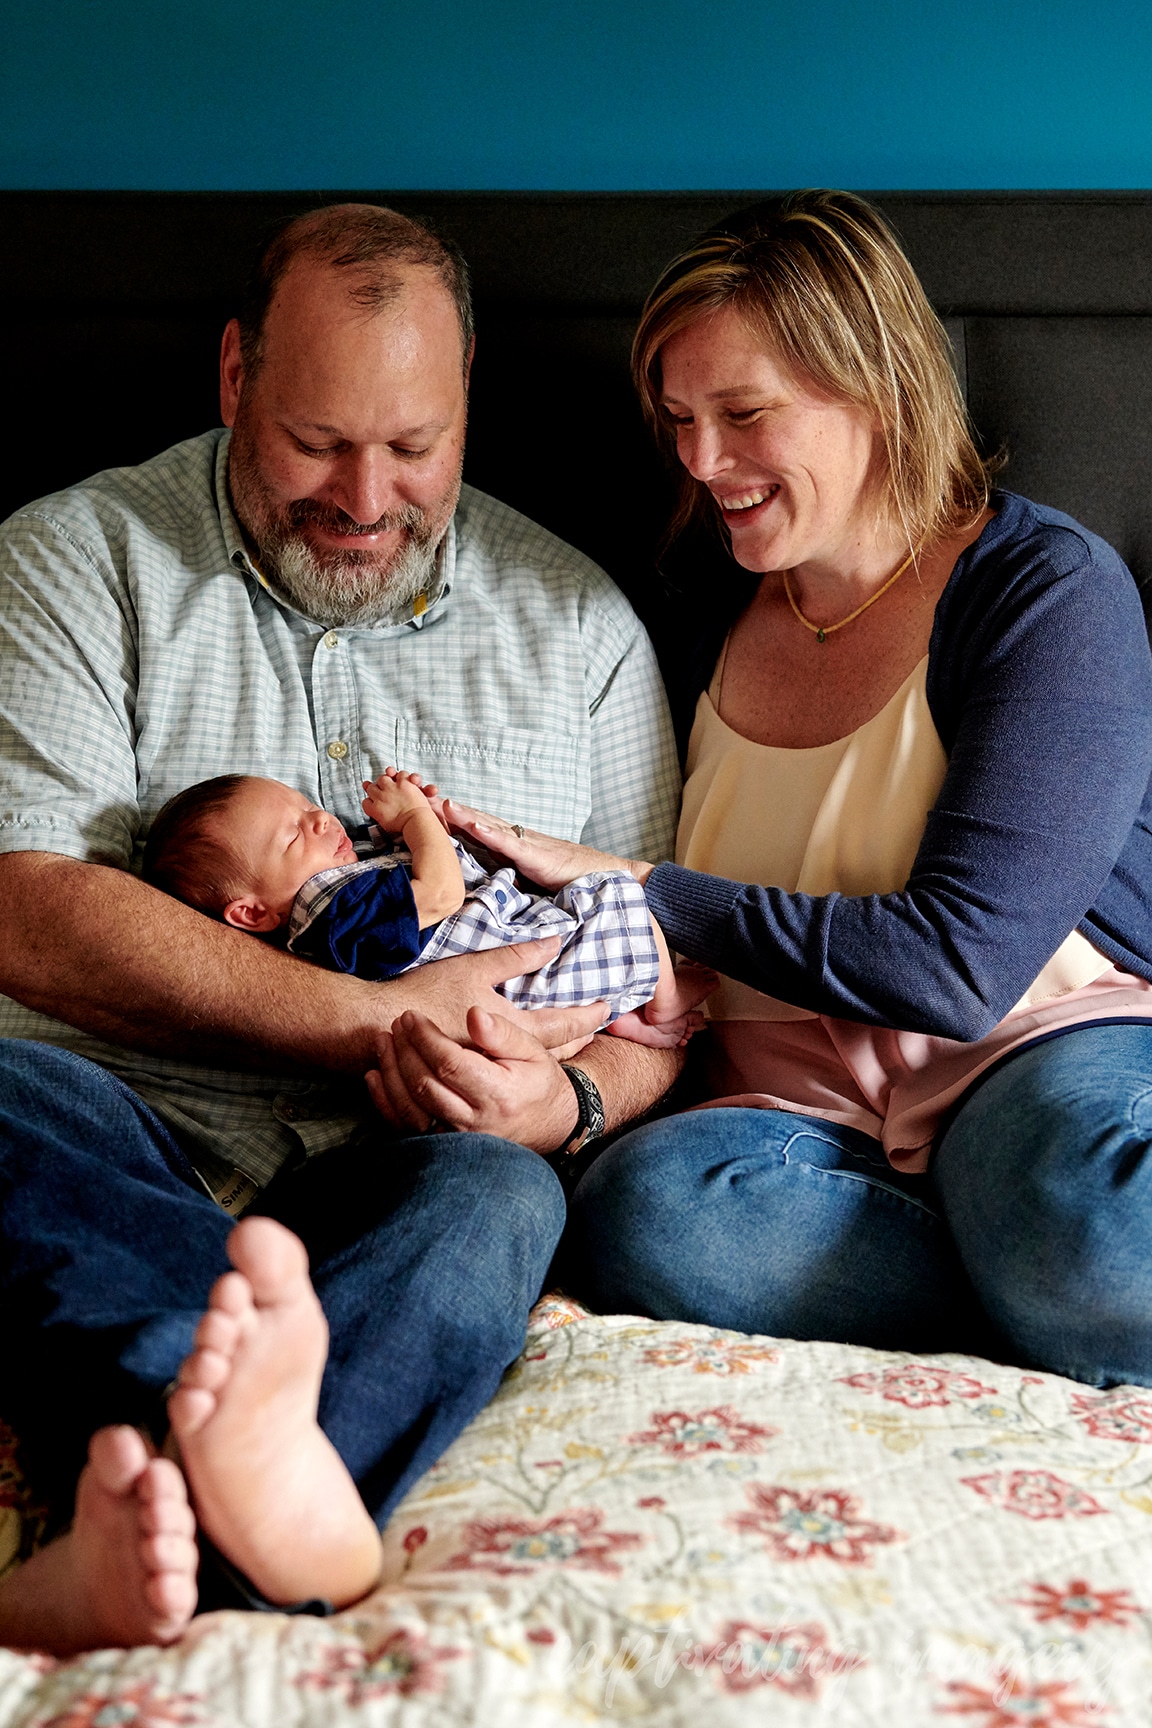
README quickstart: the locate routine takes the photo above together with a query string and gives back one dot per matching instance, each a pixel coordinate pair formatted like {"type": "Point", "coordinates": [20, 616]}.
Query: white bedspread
{"type": "Point", "coordinates": [673, 1526]}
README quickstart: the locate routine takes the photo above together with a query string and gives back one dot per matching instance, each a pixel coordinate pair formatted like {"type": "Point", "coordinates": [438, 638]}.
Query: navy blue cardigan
{"type": "Point", "coordinates": [1040, 687]}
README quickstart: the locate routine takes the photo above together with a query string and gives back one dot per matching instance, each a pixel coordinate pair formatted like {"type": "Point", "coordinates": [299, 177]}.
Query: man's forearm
{"type": "Point", "coordinates": [630, 1078]}
{"type": "Point", "coordinates": [107, 953]}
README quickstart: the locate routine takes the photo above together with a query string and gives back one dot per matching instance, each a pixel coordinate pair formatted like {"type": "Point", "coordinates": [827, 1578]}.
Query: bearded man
{"type": "Point", "coordinates": [311, 596]}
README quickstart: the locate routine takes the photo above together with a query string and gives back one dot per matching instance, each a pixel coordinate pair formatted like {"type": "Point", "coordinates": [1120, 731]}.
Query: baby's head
{"type": "Point", "coordinates": [241, 848]}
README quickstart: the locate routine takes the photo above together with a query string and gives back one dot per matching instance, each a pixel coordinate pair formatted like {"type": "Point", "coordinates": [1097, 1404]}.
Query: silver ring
{"type": "Point", "coordinates": [517, 830]}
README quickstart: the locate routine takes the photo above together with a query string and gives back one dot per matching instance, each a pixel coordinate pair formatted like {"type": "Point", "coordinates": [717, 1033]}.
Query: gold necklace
{"type": "Point", "coordinates": [821, 631]}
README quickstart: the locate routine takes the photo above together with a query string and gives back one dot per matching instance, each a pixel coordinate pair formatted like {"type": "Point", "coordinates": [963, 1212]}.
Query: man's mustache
{"type": "Point", "coordinates": [307, 512]}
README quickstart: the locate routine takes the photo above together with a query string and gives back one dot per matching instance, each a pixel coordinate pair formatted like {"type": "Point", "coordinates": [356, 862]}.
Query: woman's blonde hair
{"type": "Point", "coordinates": [822, 279]}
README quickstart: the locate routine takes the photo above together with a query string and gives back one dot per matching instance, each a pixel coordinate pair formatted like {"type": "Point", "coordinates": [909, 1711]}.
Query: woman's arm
{"type": "Point", "coordinates": [1042, 692]}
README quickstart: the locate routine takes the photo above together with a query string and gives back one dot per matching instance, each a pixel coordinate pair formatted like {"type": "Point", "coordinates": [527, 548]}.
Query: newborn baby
{"type": "Point", "coordinates": [263, 857]}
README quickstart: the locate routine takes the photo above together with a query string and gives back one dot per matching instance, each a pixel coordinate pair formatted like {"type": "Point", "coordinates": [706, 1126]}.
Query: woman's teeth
{"type": "Point", "coordinates": [747, 500]}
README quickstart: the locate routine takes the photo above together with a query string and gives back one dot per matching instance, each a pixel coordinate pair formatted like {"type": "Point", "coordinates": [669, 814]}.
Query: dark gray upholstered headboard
{"type": "Point", "coordinates": [113, 303]}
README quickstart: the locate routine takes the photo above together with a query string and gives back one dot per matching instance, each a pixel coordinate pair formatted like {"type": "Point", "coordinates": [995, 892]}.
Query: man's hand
{"type": "Point", "coordinates": [539, 857]}
{"type": "Point", "coordinates": [502, 1082]}
{"type": "Point", "coordinates": [447, 992]}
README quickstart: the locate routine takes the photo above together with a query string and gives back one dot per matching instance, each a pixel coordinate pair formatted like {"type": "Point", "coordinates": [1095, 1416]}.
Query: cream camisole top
{"type": "Point", "coordinates": [848, 817]}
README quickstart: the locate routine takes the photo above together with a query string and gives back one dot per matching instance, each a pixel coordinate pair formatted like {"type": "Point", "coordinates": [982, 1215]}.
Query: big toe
{"type": "Point", "coordinates": [118, 1457]}
{"type": "Point", "coordinates": [270, 1257]}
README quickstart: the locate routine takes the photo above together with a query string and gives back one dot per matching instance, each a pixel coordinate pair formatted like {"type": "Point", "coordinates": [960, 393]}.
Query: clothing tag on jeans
{"type": "Point", "coordinates": [235, 1193]}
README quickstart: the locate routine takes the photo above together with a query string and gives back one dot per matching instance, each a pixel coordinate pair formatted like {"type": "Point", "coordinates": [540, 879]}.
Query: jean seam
{"type": "Point", "coordinates": [873, 1182]}
{"type": "Point", "coordinates": [1133, 1105]}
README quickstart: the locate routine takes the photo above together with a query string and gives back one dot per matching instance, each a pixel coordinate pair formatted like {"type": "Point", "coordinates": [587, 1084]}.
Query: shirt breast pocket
{"type": "Point", "coordinates": [541, 779]}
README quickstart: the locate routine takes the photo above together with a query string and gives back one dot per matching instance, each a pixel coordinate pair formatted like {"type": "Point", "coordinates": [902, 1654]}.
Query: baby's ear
{"type": "Point", "coordinates": [251, 914]}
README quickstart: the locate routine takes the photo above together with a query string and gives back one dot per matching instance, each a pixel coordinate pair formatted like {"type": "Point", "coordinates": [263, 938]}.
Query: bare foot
{"type": "Point", "coordinates": [125, 1573]}
{"type": "Point", "coordinates": [668, 1034]}
{"type": "Point", "coordinates": [268, 1486]}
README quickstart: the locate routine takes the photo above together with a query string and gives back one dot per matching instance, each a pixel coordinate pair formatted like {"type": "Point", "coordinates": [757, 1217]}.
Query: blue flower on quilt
{"type": "Point", "coordinates": [545, 1545]}
{"type": "Point", "coordinates": [707, 1559]}
{"type": "Point", "coordinates": [729, 1467]}
{"type": "Point", "coordinates": [998, 1413]}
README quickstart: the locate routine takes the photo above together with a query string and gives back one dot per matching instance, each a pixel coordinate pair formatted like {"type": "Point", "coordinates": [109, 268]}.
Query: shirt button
{"type": "Point", "coordinates": [331, 640]}
{"type": "Point", "coordinates": [338, 750]}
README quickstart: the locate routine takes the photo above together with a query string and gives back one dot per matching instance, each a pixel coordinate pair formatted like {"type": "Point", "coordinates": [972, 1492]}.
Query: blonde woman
{"type": "Point", "coordinates": [916, 842]}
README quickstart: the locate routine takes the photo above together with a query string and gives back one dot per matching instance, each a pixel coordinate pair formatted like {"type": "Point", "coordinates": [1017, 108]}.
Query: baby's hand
{"type": "Point", "coordinates": [392, 798]}
{"type": "Point", "coordinates": [416, 794]}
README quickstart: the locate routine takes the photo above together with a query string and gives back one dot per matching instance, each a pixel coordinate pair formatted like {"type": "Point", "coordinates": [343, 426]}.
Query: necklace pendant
{"type": "Point", "coordinates": [819, 635]}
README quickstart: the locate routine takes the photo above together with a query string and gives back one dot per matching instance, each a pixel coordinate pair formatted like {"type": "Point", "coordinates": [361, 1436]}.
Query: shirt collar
{"type": "Point", "coordinates": [238, 556]}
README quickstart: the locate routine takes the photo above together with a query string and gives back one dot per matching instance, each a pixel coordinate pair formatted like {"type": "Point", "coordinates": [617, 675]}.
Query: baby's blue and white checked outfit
{"type": "Point", "coordinates": [609, 951]}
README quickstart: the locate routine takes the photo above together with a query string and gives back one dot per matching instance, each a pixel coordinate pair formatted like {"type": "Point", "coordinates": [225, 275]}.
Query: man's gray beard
{"type": "Point", "coordinates": [352, 588]}
{"type": "Point", "coordinates": [349, 588]}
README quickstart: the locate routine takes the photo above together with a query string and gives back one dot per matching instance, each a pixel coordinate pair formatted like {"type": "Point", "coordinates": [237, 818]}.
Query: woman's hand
{"type": "Point", "coordinates": [539, 857]}
{"type": "Point", "coordinates": [505, 1082]}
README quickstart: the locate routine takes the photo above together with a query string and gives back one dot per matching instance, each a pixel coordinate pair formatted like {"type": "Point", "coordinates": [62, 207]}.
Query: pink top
{"type": "Point", "coordinates": [848, 817]}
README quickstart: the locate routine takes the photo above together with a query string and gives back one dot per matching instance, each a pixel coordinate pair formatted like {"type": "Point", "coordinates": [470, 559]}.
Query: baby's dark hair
{"type": "Point", "coordinates": [184, 859]}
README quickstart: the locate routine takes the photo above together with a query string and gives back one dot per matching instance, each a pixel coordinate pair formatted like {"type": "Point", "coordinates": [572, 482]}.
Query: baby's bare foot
{"type": "Point", "coordinates": [665, 1034]}
{"type": "Point", "coordinates": [268, 1486]}
{"type": "Point", "coordinates": [125, 1573]}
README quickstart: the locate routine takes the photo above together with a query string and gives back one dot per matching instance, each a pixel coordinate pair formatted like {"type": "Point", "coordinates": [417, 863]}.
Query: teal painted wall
{"type": "Point", "coordinates": [595, 95]}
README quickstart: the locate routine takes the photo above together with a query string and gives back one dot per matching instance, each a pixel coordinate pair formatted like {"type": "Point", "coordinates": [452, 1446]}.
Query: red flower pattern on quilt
{"type": "Point", "coordinates": [719, 1430]}
{"type": "Point", "coordinates": [1081, 1605]}
{"type": "Point", "coordinates": [405, 1663]}
{"type": "Point", "coordinates": [1035, 1494]}
{"type": "Point", "coordinates": [918, 1384]}
{"type": "Point", "coordinates": [795, 1659]}
{"type": "Point", "coordinates": [1119, 1415]}
{"type": "Point", "coordinates": [510, 1545]}
{"type": "Point", "coordinates": [803, 1526]}
{"type": "Point", "coordinates": [144, 1705]}
{"type": "Point", "coordinates": [11, 1479]}
{"type": "Point", "coordinates": [1016, 1700]}
{"type": "Point", "coordinates": [14, 1493]}
{"type": "Point", "coordinates": [710, 1355]}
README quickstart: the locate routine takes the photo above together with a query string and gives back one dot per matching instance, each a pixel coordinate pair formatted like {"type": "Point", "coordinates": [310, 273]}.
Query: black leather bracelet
{"type": "Point", "coordinates": [590, 1105]}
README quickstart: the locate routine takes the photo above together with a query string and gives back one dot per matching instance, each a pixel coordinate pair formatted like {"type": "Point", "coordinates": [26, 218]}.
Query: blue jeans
{"type": "Point", "coordinates": [1030, 1239]}
{"type": "Point", "coordinates": [426, 1254]}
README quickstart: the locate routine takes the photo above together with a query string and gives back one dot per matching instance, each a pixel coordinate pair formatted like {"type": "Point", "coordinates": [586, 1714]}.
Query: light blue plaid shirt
{"type": "Point", "coordinates": [144, 652]}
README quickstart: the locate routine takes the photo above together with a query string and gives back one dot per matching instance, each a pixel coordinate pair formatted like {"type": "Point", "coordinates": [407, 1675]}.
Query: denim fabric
{"type": "Point", "coordinates": [766, 1221]}
{"type": "Point", "coordinates": [426, 1254]}
{"type": "Point", "coordinates": [1030, 1239]}
{"type": "Point", "coordinates": [1046, 1179]}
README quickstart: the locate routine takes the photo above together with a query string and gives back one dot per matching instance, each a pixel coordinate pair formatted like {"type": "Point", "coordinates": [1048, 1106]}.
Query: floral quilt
{"type": "Point", "coordinates": [674, 1526]}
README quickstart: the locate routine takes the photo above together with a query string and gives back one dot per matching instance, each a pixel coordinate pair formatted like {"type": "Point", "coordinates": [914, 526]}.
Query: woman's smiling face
{"type": "Point", "coordinates": [794, 474]}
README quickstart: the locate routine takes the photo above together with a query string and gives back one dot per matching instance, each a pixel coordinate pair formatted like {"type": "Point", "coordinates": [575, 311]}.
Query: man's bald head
{"type": "Point", "coordinates": [371, 247]}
